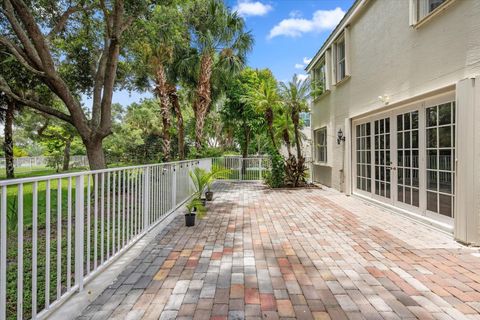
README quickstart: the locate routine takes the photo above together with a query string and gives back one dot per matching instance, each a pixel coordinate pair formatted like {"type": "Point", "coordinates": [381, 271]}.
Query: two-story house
{"type": "Point", "coordinates": [398, 118]}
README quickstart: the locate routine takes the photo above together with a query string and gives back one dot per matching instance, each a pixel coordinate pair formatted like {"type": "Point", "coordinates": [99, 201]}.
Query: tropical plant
{"type": "Point", "coordinates": [266, 100]}
{"type": "Point", "coordinates": [295, 96]}
{"type": "Point", "coordinates": [276, 177]}
{"type": "Point", "coordinates": [283, 127]}
{"type": "Point", "coordinates": [197, 205]}
{"type": "Point", "coordinates": [159, 39]}
{"type": "Point", "coordinates": [203, 179]}
{"type": "Point", "coordinates": [241, 116]}
{"type": "Point", "coordinates": [220, 42]}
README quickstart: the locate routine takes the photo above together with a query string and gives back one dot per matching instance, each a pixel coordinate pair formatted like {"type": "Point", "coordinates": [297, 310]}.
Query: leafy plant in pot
{"type": "Point", "coordinates": [200, 179]}
{"type": "Point", "coordinates": [217, 172]}
{"type": "Point", "coordinates": [203, 180]}
{"type": "Point", "coordinates": [194, 208]}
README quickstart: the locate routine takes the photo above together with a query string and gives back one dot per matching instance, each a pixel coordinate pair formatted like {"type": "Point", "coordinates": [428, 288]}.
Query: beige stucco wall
{"type": "Point", "coordinates": [388, 57]}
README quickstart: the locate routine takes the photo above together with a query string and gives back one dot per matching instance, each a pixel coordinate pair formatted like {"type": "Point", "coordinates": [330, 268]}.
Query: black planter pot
{"type": "Point", "coordinates": [204, 201]}
{"type": "Point", "coordinates": [190, 219]}
{"type": "Point", "coordinates": [209, 195]}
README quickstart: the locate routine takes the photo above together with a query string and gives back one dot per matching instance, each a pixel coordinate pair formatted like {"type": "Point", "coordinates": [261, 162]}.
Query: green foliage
{"type": "Point", "coordinates": [19, 152]}
{"type": "Point", "coordinates": [197, 205]}
{"type": "Point", "coordinates": [206, 152]}
{"type": "Point", "coordinates": [241, 116]}
{"type": "Point", "coordinates": [203, 179]}
{"type": "Point", "coordinates": [276, 177]}
{"type": "Point", "coordinates": [136, 134]}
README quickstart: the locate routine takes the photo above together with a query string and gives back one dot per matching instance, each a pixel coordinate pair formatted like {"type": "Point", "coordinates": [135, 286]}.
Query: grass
{"type": "Point", "coordinates": [35, 172]}
{"type": "Point", "coordinates": [27, 231]}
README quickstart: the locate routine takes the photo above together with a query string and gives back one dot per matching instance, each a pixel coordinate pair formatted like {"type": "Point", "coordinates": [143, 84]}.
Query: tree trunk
{"type": "Point", "coordinates": [300, 160]}
{"type": "Point", "coordinates": [66, 155]}
{"type": "Point", "coordinates": [172, 93]}
{"type": "Point", "coordinates": [269, 119]}
{"type": "Point", "coordinates": [8, 144]}
{"type": "Point", "coordinates": [162, 95]}
{"type": "Point", "coordinates": [203, 99]}
{"type": "Point", "coordinates": [95, 154]}
{"type": "Point", "coordinates": [286, 138]}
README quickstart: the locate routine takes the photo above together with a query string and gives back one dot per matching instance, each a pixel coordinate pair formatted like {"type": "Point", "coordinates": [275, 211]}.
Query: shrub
{"type": "Point", "coordinates": [276, 177]}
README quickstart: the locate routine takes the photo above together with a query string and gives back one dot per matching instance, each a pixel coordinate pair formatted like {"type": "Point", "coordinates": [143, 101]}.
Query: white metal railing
{"type": "Point", "coordinates": [59, 231]}
{"type": "Point", "coordinates": [41, 162]}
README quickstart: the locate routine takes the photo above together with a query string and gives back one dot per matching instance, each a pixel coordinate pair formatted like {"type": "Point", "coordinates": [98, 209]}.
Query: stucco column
{"type": "Point", "coordinates": [347, 160]}
{"type": "Point", "coordinates": [467, 166]}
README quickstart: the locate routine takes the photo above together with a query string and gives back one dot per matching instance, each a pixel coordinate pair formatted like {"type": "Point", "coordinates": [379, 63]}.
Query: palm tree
{"type": "Point", "coordinates": [283, 128]}
{"type": "Point", "coordinates": [159, 37]}
{"type": "Point", "coordinates": [295, 96]}
{"type": "Point", "coordinates": [266, 100]}
{"type": "Point", "coordinates": [221, 42]}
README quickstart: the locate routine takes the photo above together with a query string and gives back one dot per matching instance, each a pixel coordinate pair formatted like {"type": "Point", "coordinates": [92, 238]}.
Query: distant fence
{"type": "Point", "coordinates": [41, 162]}
{"type": "Point", "coordinates": [251, 169]}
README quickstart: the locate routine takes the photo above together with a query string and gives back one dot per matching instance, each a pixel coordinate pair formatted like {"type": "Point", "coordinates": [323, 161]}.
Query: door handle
{"type": "Point", "coordinates": [391, 168]}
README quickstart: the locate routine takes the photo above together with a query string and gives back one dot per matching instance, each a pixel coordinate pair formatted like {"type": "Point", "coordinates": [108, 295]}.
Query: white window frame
{"type": "Point", "coordinates": [338, 60]}
{"type": "Point", "coordinates": [321, 147]}
{"type": "Point", "coordinates": [317, 71]}
{"type": "Point", "coordinates": [420, 12]}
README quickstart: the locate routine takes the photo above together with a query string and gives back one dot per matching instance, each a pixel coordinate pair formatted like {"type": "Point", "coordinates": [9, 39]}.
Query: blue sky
{"type": "Point", "coordinates": [287, 33]}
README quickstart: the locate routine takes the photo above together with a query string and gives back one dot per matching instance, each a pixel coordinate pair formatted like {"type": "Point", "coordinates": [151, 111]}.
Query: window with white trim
{"type": "Point", "coordinates": [340, 59]}
{"type": "Point", "coordinates": [321, 145]}
{"type": "Point", "coordinates": [420, 9]}
{"type": "Point", "coordinates": [320, 77]}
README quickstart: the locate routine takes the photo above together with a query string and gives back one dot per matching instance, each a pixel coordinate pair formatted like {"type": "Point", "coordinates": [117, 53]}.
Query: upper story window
{"type": "Point", "coordinates": [305, 116]}
{"type": "Point", "coordinates": [320, 77]}
{"type": "Point", "coordinates": [340, 58]}
{"type": "Point", "coordinates": [422, 10]}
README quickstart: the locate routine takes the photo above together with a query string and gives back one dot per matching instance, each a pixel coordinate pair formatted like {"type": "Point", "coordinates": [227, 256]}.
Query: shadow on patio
{"type": "Point", "coordinates": [306, 253]}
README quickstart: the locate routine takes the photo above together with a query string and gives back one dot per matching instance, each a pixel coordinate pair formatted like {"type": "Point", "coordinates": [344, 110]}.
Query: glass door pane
{"type": "Point", "coordinates": [382, 161]}
{"type": "Point", "coordinates": [440, 148]}
{"type": "Point", "coordinates": [408, 184]}
{"type": "Point", "coordinates": [364, 155]}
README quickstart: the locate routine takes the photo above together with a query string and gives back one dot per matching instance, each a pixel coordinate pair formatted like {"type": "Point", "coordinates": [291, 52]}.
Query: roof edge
{"type": "Point", "coordinates": [352, 12]}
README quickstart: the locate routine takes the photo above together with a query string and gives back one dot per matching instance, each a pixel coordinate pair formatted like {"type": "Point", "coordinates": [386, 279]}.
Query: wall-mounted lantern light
{"type": "Point", "coordinates": [340, 136]}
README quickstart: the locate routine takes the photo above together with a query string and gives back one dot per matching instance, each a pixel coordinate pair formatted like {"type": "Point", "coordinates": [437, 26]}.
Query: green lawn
{"type": "Point", "coordinates": [12, 218]}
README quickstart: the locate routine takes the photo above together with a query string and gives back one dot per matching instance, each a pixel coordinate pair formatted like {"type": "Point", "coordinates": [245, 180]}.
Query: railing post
{"type": "Point", "coordinates": [3, 255]}
{"type": "Point", "coordinates": [241, 169]}
{"type": "Point", "coordinates": [260, 167]}
{"type": "Point", "coordinates": [79, 229]}
{"type": "Point", "coordinates": [146, 198]}
{"type": "Point", "coordinates": [174, 187]}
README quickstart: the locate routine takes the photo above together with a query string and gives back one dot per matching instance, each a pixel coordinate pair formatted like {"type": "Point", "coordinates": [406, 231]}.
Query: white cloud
{"type": "Point", "coordinates": [306, 61]}
{"type": "Point", "coordinates": [302, 77]}
{"type": "Point", "coordinates": [321, 20]}
{"type": "Point", "coordinates": [249, 8]}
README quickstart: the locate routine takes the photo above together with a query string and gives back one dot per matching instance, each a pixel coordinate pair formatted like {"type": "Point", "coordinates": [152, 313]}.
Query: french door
{"type": "Point", "coordinates": [406, 157]}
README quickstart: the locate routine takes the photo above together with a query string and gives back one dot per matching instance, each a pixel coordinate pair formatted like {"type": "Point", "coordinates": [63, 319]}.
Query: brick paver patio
{"type": "Point", "coordinates": [308, 253]}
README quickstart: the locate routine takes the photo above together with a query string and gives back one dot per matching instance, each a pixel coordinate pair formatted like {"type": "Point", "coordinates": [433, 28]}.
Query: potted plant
{"type": "Point", "coordinates": [200, 179]}
{"type": "Point", "coordinates": [208, 194]}
{"type": "Point", "coordinates": [217, 172]}
{"type": "Point", "coordinates": [194, 208]}
{"type": "Point", "coordinates": [203, 179]}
